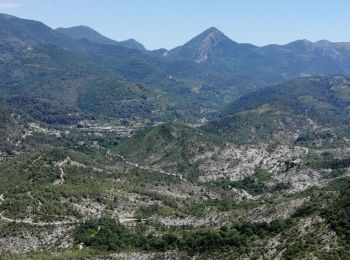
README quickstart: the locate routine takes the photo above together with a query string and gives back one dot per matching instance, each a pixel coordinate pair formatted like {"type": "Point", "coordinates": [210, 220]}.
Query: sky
{"type": "Point", "coordinates": [169, 23]}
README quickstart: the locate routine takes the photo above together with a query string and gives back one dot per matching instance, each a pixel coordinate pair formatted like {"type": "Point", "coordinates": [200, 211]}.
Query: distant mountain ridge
{"type": "Point", "coordinates": [189, 83]}
{"type": "Point", "coordinates": [215, 50]}
{"type": "Point", "coordinates": [85, 32]}
{"type": "Point", "coordinates": [288, 110]}
{"type": "Point", "coordinates": [325, 99]}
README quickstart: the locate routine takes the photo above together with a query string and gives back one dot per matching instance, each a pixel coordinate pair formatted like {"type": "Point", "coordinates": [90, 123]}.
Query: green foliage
{"type": "Point", "coordinates": [171, 144]}
{"type": "Point", "coordinates": [337, 215]}
{"type": "Point", "coordinates": [86, 33]}
{"type": "Point", "coordinates": [103, 234]}
{"type": "Point", "coordinates": [333, 208]}
{"type": "Point", "coordinates": [59, 81]}
{"type": "Point", "coordinates": [314, 139]}
{"type": "Point", "coordinates": [279, 112]}
{"type": "Point", "coordinates": [145, 212]}
{"type": "Point", "coordinates": [254, 125]}
{"type": "Point", "coordinates": [220, 205]}
{"type": "Point", "coordinates": [109, 235]}
{"type": "Point", "coordinates": [334, 174]}
{"type": "Point", "coordinates": [12, 126]}
{"type": "Point", "coordinates": [117, 98]}
{"type": "Point", "coordinates": [254, 185]}
{"type": "Point", "coordinates": [49, 111]}
{"type": "Point", "coordinates": [30, 191]}
{"type": "Point", "coordinates": [290, 94]}
{"type": "Point", "coordinates": [327, 161]}
{"type": "Point", "coordinates": [52, 81]}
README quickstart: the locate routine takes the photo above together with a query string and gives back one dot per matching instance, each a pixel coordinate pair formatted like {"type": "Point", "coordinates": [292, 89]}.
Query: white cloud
{"type": "Point", "coordinates": [10, 5]}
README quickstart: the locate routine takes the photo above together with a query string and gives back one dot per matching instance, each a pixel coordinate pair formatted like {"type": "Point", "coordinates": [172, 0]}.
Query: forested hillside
{"type": "Point", "coordinates": [211, 150]}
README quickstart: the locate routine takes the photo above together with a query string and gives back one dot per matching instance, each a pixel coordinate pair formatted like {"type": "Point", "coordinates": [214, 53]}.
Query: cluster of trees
{"type": "Point", "coordinates": [335, 212]}
{"type": "Point", "coordinates": [28, 188]}
{"type": "Point", "coordinates": [255, 184]}
{"type": "Point", "coordinates": [173, 143]}
{"type": "Point", "coordinates": [49, 111]}
{"type": "Point", "coordinates": [328, 162]}
{"type": "Point", "coordinates": [312, 138]}
{"type": "Point", "coordinates": [108, 235]}
{"type": "Point", "coordinates": [338, 213]}
{"type": "Point", "coordinates": [11, 125]}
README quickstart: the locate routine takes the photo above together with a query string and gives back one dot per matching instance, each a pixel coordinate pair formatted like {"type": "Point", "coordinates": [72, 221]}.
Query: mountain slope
{"type": "Point", "coordinates": [191, 83]}
{"type": "Point", "coordinates": [322, 98]}
{"type": "Point", "coordinates": [73, 67]}
{"type": "Point", "coordinates": [269, 63]}
{"type": "Point", "coordinates": [303, 57]}
{"type": "Point", "coordinates": [211, 47]}
{"type": "Point", "coordinates": [51, 82]}
{"type": "Point", "coordinates": [84, 32]}
{"type": "Point", "coordinates": [23, 33]}
{"type": "Point", "coordinates": [47, 82]}
{"type": "Point", "coordinates": [13, 126]}
{"type": "Point", "coordinates": [168, 147]}
{"type": "Point", "coordinates": [310, 111]}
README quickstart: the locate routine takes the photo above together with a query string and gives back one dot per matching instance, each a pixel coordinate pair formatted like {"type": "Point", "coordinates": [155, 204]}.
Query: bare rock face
{"type": "Point", "coordinates": [301, 180]}
{"type": "Point", "coordinates": [59, 237]}
{"type": "Point", "coordinates": [202, 47]}
{"type": "Point", "coordinates": [237, 162]}
{"type": "Point", "coordinates": [266, 213]}
{"type": "Point", "coordinates": [90, 209]}
{"type": "Point", "coordinates": [208, 44]}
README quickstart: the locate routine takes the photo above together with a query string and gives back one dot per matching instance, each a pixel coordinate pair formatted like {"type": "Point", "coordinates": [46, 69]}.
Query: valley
{"type": "Point", "coordinates": [211, 150]}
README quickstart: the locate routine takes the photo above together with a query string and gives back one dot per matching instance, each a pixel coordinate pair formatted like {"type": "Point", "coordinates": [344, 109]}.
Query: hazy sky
{"type": "Point", "coordinates": [168, 23]}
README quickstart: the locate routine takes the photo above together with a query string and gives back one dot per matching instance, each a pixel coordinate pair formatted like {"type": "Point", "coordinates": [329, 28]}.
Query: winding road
{"type": "Point", "coordinates": [146, 168]}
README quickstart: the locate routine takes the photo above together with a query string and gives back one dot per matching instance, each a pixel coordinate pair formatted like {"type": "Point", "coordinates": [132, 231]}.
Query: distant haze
{"type": "Point", "coordinates": [166, 24]}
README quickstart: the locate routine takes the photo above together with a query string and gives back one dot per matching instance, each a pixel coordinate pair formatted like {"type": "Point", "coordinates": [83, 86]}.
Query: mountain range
{"type": "Point", "coordinates": [189, 83]}
{"type": "Point", "coordinates": [212, 150]}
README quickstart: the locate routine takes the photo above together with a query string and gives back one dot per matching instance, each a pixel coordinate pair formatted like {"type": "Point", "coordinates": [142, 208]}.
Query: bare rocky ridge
{"type": "Point", "coordinates": [213, 37]}
{"type": "Point", "coordinates": [47, 238]}
{"type": "Point", "coordinates": [237, 162]}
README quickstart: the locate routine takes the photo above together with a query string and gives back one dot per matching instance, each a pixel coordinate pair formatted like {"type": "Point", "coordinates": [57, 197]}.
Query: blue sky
{"type": "Point", "coordinates": [169, 23]}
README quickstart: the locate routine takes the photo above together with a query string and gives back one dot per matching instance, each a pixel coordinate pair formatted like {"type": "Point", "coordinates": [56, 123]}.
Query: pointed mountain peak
{"type": "Point", "coordinates": [213, 30]}
{"type": "Point", "coordinates": [324, 43]}
{"type": "Point", "coordinates": [205, 43]}
{"type": "Point", "coordinates": [302, 42]}
{"type": "Point", "coordinates": [213, 33]}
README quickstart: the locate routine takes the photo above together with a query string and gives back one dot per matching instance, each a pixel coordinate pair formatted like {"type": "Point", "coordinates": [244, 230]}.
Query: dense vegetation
{"type": "Point", "coordinates": [327, 161]}
{"type": "Point", "coordinates": [169, 143]}
{"type": "Point", "coordinates": [323, 99]}
{"type": "Point", "coordinates": [255, 184]}
{"type": "Point", "coordinates": [336, 212]}
{"type": "Point", "coordinates": [107, 234]}
{"type": "Point", "coordinates": [13, 123]}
